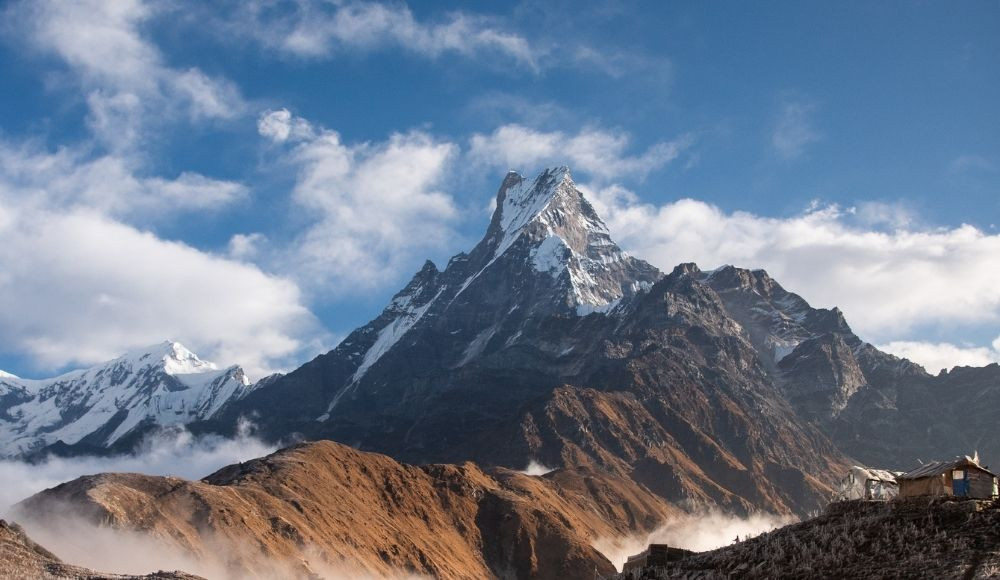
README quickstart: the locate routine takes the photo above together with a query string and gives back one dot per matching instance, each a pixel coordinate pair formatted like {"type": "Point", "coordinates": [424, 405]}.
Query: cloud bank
{"type": "Point", "coordinates": [80, 287]}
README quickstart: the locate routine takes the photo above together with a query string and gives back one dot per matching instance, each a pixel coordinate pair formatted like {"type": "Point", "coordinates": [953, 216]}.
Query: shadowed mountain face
{"type": "Point", "coordinates": [328, 510]}
{"type": "Point", "coordinates": [918, 537]}
{"type": "Point", "coordinates": [879, 409]}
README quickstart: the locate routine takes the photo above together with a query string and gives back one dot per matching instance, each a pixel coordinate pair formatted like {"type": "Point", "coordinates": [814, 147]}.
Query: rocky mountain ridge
{"type": "Point", "coordinates": [906, 538]}
{"type": "Point", "coordinates": [548, 342]}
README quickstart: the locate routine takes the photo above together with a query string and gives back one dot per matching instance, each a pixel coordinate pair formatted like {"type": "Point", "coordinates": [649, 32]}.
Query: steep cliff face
{"type": "Point", "coordinates": [323, 508]}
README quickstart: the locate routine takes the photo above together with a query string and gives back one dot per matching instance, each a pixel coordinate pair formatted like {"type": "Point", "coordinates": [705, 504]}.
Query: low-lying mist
{"type": "Point", "coordinates": [112, 550]}
{"type": "Point", "coordinates": [696, 532]}
{"type": "Point", "coordinates": [170, 452]}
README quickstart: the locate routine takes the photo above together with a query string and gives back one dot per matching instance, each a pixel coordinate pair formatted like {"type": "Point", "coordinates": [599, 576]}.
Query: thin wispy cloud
{"type": "Point", "coordinates": [318, 29]}
{"type": "Point", "coordinates": [794, 129]}
{"type": "Point", "coordinates": [601, 154]}
{"type": "Point", "coordinates": [973, 162]}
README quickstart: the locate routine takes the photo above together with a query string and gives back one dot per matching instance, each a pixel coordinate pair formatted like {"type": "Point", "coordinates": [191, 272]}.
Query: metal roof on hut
{"type": "Point", "coordinates": [940, 467]}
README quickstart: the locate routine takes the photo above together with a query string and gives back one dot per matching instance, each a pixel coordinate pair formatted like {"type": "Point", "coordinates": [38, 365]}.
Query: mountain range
{"type": "Point", "coordinates": [547, 342]}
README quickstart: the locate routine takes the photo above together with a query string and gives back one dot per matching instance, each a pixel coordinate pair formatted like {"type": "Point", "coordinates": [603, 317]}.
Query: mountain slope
{"type": "Point", "coordinates": [95, 408]}
{"type": "Point", "coordinates": [326, 508]}
{"type": "Point", "coordinates": [481, 360]}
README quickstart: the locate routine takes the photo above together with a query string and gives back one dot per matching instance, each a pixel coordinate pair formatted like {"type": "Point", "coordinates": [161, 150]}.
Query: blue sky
{"type": "Point", "coordinates": [256, 179]}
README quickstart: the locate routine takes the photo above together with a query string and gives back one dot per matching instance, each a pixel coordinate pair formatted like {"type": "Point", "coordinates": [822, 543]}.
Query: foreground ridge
{"type": "Point", "coordinates": [904, 538]}
{"type": "Point", "coordinates": [326, 509]}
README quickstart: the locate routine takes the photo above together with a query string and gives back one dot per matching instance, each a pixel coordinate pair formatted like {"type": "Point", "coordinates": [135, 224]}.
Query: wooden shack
{"type": "Point", "coordinates": [962, 477]}
{"type": "Point", "coordinates": [655, 555]}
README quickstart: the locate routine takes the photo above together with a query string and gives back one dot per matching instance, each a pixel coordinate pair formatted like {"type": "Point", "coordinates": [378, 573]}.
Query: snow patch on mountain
{"type": "Point", "coordinates": [391, 333]}
{"type": "Point", "coordinates": [550, 255]}
{"type": "Point", "coordinates": [6, 375]}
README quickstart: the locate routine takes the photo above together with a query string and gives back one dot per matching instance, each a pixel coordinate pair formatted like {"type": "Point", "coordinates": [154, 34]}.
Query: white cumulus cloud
{"type": "Point", "coordinates": [377, 206]}
{"type": "Point", "coordinates": [79, 288]}
{"type": "Point", "coordinates": [935, 356]}
{"type": "Point", "coordinates": [70, 178]}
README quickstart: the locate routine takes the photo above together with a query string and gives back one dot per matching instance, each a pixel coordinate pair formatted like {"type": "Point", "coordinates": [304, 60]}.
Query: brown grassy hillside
{"type": "Point", "coordinates": [326, 508]}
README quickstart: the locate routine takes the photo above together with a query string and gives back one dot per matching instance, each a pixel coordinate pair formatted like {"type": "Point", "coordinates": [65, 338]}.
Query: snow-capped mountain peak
{"type": "Point", "coordinates": [545, 253]}
{"type": "Point", "coordinates": [548, 205]}
{"type": "Point", "coordinates": [6, 375]}
{"type": "Point", "coordinates": [174, 358]}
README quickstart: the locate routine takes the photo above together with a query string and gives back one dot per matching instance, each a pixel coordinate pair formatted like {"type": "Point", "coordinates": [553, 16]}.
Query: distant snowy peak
{"type": "Point", "coordinates": [159, 386]}
{"type": "Point", "coordinates": [6, 375]}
